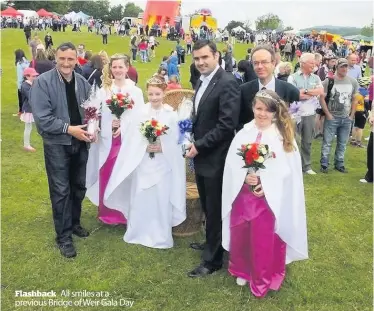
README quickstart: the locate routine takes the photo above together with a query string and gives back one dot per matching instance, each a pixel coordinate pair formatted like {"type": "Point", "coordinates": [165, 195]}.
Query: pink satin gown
{"type": "Point", "coordinates": [107, 215]}
{"type": "Point", "coordinates": [257, 254]}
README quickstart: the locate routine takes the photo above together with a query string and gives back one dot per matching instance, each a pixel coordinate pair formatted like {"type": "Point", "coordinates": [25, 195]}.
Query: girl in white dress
{"type": "Point", "coordinates": [103, 154]}
{"type": "Point", "coordinates": [151, 193]}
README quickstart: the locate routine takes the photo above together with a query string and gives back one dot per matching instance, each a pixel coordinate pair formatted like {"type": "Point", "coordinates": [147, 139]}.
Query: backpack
{"type": "Point", "coordinates": [329, 88]}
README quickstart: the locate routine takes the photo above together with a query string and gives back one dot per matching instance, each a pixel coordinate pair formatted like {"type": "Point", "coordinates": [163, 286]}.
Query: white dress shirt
{"type": "Point", "coordinates": [269, 86]}
{"type": "Point", "coordinates": [204, 84]}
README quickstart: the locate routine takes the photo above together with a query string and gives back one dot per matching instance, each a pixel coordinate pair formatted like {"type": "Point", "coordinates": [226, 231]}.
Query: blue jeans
{"type": "Point", "coordinates": [341, 128]}
{"type": "Point", "coordinates": [143, 55]}
{"type": "Point", "coordinates": [134, 51]}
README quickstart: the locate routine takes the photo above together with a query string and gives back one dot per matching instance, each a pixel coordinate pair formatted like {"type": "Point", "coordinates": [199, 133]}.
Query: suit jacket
{"type": "Point", "coordinates": [285, 90]}
{"type": "Point", "coordinates": [214, 123]}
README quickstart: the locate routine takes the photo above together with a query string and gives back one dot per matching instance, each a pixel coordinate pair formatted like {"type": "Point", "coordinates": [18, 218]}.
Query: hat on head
{"type": "Point", "coordinates": [341, 62]}
{"type": "Point", "coordinates": [30, 72]}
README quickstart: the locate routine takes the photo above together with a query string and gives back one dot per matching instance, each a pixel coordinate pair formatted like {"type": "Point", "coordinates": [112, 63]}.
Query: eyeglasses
{"type": "Point", "coordinates": [263, 63]}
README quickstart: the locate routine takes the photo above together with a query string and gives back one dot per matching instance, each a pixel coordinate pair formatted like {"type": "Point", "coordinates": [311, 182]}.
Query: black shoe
{"type": "Point", "coordinates": [80, 232]}
{"type": "Point", "coordinates": [202, 271]}
{"type": "Point", "coordinates": [67, 249]}
{"type": "Point", "coordinates": [341, 169]}
{"type": "Point", "coordinates": [197, 246]}
{"type": "Point", "coordinates": [324, 169]}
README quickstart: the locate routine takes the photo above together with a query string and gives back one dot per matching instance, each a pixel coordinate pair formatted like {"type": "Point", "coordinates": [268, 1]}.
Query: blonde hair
{"type": "Point", "coordinates": [107, 76]}
{"type": "Point", "coordinates": [157, 81]}
{"type": "Point", "coordinates": [283, 119]}
{"type": "Point", "coordinates": [287, 66]}
{"type": "Point", "coordinates": [106, 57]}
{"type": "Point", "coordinates": [40, 55]}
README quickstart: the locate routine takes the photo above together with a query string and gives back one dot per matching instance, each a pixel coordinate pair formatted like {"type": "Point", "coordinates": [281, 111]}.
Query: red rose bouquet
{"type": "Point", "coordinates": [254, 156]}
{"type": "Point", "coordinates": [118, 104]}
{"type": "Point", "coordinates": [152, 130]}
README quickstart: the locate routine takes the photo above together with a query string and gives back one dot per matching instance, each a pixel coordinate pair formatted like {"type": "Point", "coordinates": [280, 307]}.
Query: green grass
{"type": "Point", "coordinates": [338, 275]}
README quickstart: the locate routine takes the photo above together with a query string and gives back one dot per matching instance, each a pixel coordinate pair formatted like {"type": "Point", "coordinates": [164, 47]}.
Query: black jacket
{"type": "Point", "coordinates": [285, 90]}
{"type": "Point", "coordinates": [214, 123]}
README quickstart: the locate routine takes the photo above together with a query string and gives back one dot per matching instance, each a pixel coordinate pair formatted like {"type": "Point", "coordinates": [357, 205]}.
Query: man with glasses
{"type": "Point", "coordinates": [263, 60]}
{"type": "Point", "coordinates": [310, 88]}
{"type": "Point", "coordinates": [56, 98]}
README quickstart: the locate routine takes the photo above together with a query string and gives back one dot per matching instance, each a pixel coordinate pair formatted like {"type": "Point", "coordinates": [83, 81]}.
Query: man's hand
{"type": "Point", "coordinates": [329, 117]}
{"type": "Point", "coordinates": [192, 152]}
{"type": "Point", "coordinates": [78, 132]}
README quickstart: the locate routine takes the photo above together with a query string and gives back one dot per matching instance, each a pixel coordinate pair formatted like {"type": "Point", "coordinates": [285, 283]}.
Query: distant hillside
{"type": "Point", "coordinates": [343, 31]}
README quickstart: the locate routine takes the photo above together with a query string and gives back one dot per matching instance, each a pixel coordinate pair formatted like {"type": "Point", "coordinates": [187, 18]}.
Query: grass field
{"type": "Point", "coordinates": [337, 277]}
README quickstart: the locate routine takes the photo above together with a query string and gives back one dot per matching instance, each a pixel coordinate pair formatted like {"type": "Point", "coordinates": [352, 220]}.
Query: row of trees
{"type": "Point", "coordinates": [96, 8]}
{"type": "Point", "coordinates": [265, 22]}
{"type": "Point", "coordinates": [368, 30]}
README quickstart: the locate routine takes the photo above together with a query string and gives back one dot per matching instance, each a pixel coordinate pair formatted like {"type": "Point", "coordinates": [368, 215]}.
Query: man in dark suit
{"type": "Point", "coordinates": [215, 117]}
{"type": "Point", "coordinates": [263, 60]}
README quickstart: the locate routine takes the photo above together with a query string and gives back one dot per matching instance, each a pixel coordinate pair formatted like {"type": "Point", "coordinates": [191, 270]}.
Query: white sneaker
{"type": "Point", "coordinates": [241, 282]}
{"type": "Point", "coordinates": [363, 180]}
{"type": "Point", "coordinates": [310, 172]}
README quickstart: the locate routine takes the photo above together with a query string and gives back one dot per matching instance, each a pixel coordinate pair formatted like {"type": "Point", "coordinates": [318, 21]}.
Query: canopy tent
{"type": "Point", "coordinates": [80, 15]}
{"type": "Point", "coordinates": [238, 29]}
{"type": "Point", "coordinates": [10, 12]}
{"type": "Point", "coordinates": [70, 16]}
{"type": "Point", "coordinates": [29, 13]}
{"type": "Point", "coordinates": [56, 14]}
{"type": "Point", "coordinates": [358, 38]}
{"type": "Point", "coordinates": [44, 13]}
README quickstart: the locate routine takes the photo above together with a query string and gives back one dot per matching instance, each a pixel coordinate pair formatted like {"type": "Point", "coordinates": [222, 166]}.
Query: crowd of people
{"type": "Point", "coordinates": [258, 217]}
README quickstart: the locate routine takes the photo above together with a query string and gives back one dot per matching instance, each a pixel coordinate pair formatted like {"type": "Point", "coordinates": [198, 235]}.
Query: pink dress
{"type": "Point", "coordinates": [107, 215]}
{"type": "Point", "coordinates": [257, 254]}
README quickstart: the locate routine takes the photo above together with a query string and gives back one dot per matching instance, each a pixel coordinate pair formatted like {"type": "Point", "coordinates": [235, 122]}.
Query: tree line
{"type": "Point", "coordinates": [97, 8]}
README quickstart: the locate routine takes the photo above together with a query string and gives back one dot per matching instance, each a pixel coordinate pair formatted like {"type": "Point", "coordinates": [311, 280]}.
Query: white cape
{"type": "Point", "coordinates": [99, 152]}
{"type": "Point", "coordinates": [140, 186]}
{"type": "Point", "coordinates": [282, 182]}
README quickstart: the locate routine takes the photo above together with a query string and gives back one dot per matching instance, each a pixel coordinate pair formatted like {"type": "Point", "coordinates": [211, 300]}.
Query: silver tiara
{"type": "Point", "coordinates": [263, 94]}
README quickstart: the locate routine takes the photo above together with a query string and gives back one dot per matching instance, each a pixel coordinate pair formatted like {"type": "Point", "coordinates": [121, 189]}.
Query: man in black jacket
{"type": "Point", "coordinates": [215, 117]}
{"type": "Point", "coordinates": [263, 60]}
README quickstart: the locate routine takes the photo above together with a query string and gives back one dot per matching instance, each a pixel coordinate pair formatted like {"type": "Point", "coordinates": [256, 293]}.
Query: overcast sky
{"type": "Point", "coordinates": [298, 14]}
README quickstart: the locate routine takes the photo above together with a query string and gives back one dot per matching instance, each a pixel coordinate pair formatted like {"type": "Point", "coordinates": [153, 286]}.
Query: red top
{"type": "Point", "coordinates": [82, 61]}
{"type": "Point", "coordinates": [142, 46]}
{"type": "Point", "coordinates": [173, 86]}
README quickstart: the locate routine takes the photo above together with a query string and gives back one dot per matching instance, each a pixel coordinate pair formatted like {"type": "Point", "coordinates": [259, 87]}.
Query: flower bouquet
{"type": "Point", "coordinates": [254, 156]}
{"type": "Point", "coordinates": [152, 130]}
{"type": "Point", "coordinates": [118, 104]}
{"type": "Point", "coordinates": [92, 113]}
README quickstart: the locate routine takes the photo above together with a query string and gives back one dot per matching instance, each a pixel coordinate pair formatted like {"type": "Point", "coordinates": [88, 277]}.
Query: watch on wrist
{"type": "Point", "coordinates": [306, 91]}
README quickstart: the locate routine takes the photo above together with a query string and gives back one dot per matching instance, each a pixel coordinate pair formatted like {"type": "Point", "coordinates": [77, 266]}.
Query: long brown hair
{"type": "Point", "coordinates": [107, 76]}
{"type": "Point", "coordinates": [282, 118]}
